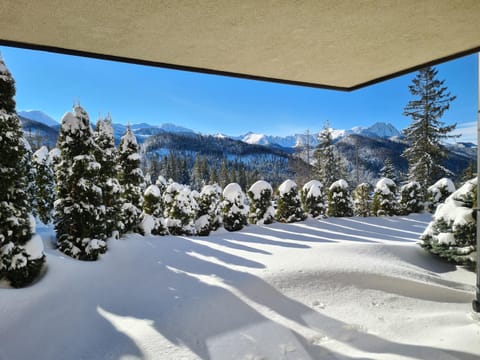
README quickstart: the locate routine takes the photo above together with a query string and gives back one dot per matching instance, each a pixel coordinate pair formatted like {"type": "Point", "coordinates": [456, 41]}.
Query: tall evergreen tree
{"type": "Point", "coordinates": [21, 252]}
{"type": "Point", "coordinates": [44, 184]}
{"type": "Point", "coordinates": [79, 210]}
{"type": "Point", "coordinates": [328, 164]}
{"type": "Point", "coordinates": [131, 179]}
{"type": "Point", "coordinates": [388, 170]}
{"type": "Point", "coordinates": [106, 155]}
{"type": "Point", "coordinates": [425, 154]}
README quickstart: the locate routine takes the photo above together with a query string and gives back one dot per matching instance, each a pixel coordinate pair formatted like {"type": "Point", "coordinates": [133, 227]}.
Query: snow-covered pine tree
{"type": "Point", "coordinates": [106, 155]}
{"type": "Point", "coordinates": [385, 198]}
{"type": "Point", "coordinates": [452, 232]}
{"type": "Point", "coordinates": [151, 219]}
{"type": "Point", "coordinates": [44, 184]}
{"type": "Point", "coordinates": [289, 205]}
{"type": "Point", "coordinates": [411, 198]}
{"type": "Point", "coordinates": [362, 201]}
{"type": "Point", "coordinates": [180, 209]}
{"type": "Point", "coordinates": [21, 251]}
{"type": "Point", "coordinates": [209, 216]}
{"type": "Point", "coordinates": [261, 209]}
{"type": "Point", "coordinates": [438, 192]}
{"type": "Point", "coordinates": [340, 202]}
{"type": "Point", "coordinates": [328, 164]}
{"type": "Point", "coordinates": [314, 199]}
{"type": "Point", "coordinates": [131, 180]}
{"type": "Point", "coordinates": [234, 209]}
{"type": "Point", "coordinates": [388, 170]}
{"type": "Point", "coordinates": [425, 153]}
{"type": "Point", "coordinates": [79, 209]}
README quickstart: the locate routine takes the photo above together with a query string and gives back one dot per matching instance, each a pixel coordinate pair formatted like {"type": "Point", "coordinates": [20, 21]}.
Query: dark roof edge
{"type": "Point", "coordinates": [65, 51]}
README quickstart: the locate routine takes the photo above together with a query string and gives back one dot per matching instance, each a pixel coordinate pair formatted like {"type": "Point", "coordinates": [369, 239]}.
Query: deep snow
{"type": "Point", "coordinates": [339, 288]}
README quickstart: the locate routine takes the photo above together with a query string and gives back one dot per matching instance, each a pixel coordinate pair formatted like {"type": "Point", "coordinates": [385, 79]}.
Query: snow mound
{"type": "Point", "coordinates": [339, 184]}
{"type": "Point", "coordinates": [152, 190]}
{"type": "Point", "coordinates": [258, 187]}
{"type": "Point", "coordinates": [286, 187]}
{"type": "Point", "coordinates": [259, 293]}
{"type": "Point", "coordinates": [233, 193]}
{"type": "Point", "coordinates": [384, 185]}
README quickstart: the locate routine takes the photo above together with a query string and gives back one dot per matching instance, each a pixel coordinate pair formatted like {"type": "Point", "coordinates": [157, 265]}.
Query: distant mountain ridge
{"type": "Point", "coordinates": [39, 116]}
{"type": "Point", "coordinates": [377, 130]}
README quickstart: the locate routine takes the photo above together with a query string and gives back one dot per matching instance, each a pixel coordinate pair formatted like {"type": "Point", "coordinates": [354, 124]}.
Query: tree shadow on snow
{"type": "Point", "coordinates": [194, 298]}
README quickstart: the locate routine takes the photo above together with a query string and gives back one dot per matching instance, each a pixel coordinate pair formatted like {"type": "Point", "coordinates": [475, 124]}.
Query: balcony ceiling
{"type": "Point", "coordinates": [337, 44]}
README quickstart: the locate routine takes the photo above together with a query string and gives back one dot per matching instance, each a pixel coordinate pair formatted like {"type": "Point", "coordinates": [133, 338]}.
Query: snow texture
{"type": "Point", "coordinates": [258, 187]}
{"type": "Point", "coordinates": [342, 184]}
{"type": "Point", "coordinates": [342, 288]}
{"type": "Point", "coordinates": [286, 187]}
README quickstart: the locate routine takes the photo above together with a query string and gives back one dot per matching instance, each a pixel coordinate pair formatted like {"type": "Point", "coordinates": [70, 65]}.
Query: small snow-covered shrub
{"type": "Point", "coordinates": [289, 206]}
{"type": "Point", "coordinates": [340, 201]}
{"type": "Point", "coordinates": [452, 232]}
{"type": "Point", "coordinates": [384, 198]}
{"type": "Point", "coordinates": [151, 219]}
{"type": "Point", "coordinates": [438, 192]}
{"type": "Point", "coordinates": [261, 209]}
{"type": "Point", "coordinates": [180, 209]}
{"type": "Point", "coordinates": [234, 210]}
{"type": "Point", "coordinates": [314, 199]}
{"type": "Point", "coordinates": [209, 217]}
{"type": "Point", "coordinates": [411, 196]}
{"type": "Point", "coordinates": [362, 201]}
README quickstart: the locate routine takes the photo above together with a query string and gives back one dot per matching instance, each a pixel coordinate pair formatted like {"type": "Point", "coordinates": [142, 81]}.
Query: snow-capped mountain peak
{"type": "Point", "coordinates": [39, 116]}
{"type": "Point", "coordinates": [252, 138]}
{"type": "Point", "coordinates": [381, 129]}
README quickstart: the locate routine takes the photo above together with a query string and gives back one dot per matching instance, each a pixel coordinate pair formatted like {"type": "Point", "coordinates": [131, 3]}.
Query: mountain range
{"type": "Point", "coordinates": [374, 144]}
{"type": "Point", "coordinates": [144, 130]}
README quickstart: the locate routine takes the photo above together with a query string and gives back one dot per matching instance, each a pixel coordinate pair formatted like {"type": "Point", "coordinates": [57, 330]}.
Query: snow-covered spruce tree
{"type": "Point", "coordinates": [79, 209]}
{"type": "Point", "coordinates": [452, 232]}
{"type": "Point", "coordinates": [362, 201]}
{"type": "Point", "coordinates": [425, 153]}
{"type": "Point", "coordinates": [106, 155]}
{"type": "Point", "coordinates": [151, 219]}
{"type": "Point", "coordinates": [289, 205]}
{"type": "Point", "coordinates": [44, 184]}
{"type": "Point", "coordinates": [340, 203]}
{"type": "Point", "coordinates": [328, 164]}
{"type": "Point", "coordinates": [261, 209]}
{"type": "Point", "coordinates": [411, 198]}
{"type": "Point", "coordinates": [438, 192]}
{"type": "Point", "coordinates": [234, 209]}
{"type": "Point", "coordinates": [21, 251]}
{"type": "Point", "coordinates": [388, 170]}
{"type": "Point", "coordinates": [180, 209]}
{"type": "Point", "coordinates": [209, 216]}
{"type": "Point", "coordinates": [314, 199]}
{"type": "Point", "coordinates": [385, 198]}
{"type": "Point", "coordinates": [131, 180]}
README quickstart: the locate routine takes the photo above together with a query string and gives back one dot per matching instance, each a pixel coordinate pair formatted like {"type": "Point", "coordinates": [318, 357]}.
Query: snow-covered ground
{"type": "Point", "coordinates": [344, 288]}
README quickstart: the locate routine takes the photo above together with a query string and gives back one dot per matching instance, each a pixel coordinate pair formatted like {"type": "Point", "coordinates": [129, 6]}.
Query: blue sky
{"type": "Point", "coordinates": [212, 104]}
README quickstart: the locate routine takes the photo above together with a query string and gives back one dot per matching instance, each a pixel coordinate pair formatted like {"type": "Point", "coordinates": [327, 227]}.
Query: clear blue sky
{"type": "Point", "coordinates": [211, 103]}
